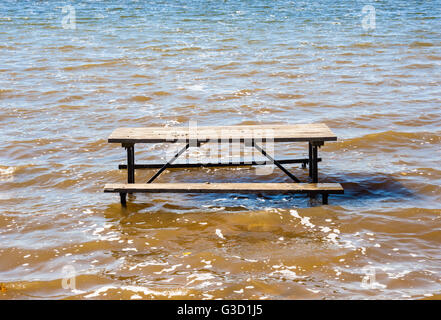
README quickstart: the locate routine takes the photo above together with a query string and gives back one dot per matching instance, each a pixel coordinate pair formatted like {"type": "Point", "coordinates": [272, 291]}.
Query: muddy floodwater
{"type": "Point", "coordinates": [71, 74]}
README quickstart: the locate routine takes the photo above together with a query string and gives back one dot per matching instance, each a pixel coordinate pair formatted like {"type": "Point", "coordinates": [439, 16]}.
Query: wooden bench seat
{"type": "Point", "coordinates": [309, 188]}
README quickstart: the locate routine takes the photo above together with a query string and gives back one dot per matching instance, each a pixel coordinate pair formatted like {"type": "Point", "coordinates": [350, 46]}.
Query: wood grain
{"type": "Point", "coordinates": [225, 187]}
{"type": "Point", "coordinates": [276, 133]}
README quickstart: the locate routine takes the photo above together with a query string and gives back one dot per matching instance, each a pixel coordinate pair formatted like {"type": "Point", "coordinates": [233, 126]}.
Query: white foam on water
{"type": "Point", "coordinates": [313, 291]}
{"type": "Point", "coordinates": [219, 234]}
{"type": "Point", "coordinates": [288, 274]}
{"type": "Point", "coordinates": [173, 268]}
{"type": "Point", "coordinates": [138, 289]}
{"type": "Point", "coordinates": [398, 275]}
{"type": "Point", "coordinates": [200, 276]}
{"type": "Point", "coordinates": [196, 87]}
{"type": "Point", "coordinates": [324, 229]}
{"type": "Point", "coordinates": [147, 263]}
{"type": "Point", "coordinates": [7, 174]}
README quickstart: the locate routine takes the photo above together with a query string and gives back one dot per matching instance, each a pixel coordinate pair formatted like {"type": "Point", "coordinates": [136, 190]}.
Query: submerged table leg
{"type": "Point", "coordinates": [314, 167]}
{"type": "Point", "coordinates": [324, 198]}
{"type": "Point", "coordinates": [130, 163]}
{"type": "Point", "coordinates": [123, 197]}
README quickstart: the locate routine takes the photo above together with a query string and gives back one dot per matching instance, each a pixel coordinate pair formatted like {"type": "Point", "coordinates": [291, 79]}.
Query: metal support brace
{"type": "Point", "coordinates": [289, 174]}
{"type": "Point", "coordinates": [165, 166]}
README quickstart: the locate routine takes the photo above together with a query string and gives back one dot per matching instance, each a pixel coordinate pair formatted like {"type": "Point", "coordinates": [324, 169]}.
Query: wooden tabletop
{"type": "Point", "coordinates": [276, 133]}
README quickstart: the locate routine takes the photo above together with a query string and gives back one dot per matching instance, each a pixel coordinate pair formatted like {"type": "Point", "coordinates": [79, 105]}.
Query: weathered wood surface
{"type": "Point", "coordinates": [334, 188]}
{"type": "Point", "coordinates": [276, 133]}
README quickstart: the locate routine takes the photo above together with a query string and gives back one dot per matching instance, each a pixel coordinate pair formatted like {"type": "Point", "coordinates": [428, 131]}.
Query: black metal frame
{"type": "Point", "coordinates": [303, 161]}
{"type": "Point", "coordinates": [169, 162]}
{"type": "Point", "coordinates": [312, 162]}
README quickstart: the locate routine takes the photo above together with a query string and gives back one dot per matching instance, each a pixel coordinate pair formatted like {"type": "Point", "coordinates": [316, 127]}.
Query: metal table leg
{"type": "Point", "coordinates": [130, 163]}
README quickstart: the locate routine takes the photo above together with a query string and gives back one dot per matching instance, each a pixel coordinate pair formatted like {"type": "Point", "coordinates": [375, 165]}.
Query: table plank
{"type": "Point", "coordinates": [276, 133]}
{"type": "Point", "coordinates": [225, 187]}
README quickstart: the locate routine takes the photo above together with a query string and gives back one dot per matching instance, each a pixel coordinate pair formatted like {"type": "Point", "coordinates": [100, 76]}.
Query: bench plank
{"type": "Point", "coordinates": [327, 188]}
{"type": "Point", "coordinates": [276, 133]}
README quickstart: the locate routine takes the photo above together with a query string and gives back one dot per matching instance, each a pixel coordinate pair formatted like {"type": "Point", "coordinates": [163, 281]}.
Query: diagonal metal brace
{"type": "Point", "coordinates": [277, 163]}
{"type": "Point", "coordinates": [165, 166]}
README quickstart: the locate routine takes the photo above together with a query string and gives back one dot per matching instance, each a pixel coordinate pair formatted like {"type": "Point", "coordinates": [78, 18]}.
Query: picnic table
{"type": "Point", "coordinates": [315, 135]}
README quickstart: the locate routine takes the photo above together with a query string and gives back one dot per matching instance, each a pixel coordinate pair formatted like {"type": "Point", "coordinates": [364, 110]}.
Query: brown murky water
{"type": "Point", "coordinates": [62, 92]}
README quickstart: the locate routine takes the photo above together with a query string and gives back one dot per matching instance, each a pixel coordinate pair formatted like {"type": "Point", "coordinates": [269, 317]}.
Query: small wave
{"type": "Point", "coordinates": [3, 92]}
{"type": "Point", "coordinates": [228, 40]}
{"type": "Point", "coordinates": [6, 171]}
{"type": "Point", "coordinates": [138, 289]}
{"type": "Point", "coordinates": [264, 62]}
{"type": "Point", "coordinates": [189, 49]}
{"type": "Point", "coordinates": [420, 66]}
{"type": "Point", "coordinates": [288, 96]}
{"type": "Point", "coordinates": [37, 69]}
{"type": "Point", "coordinates": [70, 107]}
{"type": "Point", "coordinates": [307, 104]}
{"type": "Point", "coordinates": [287, 75]}
{"type": "Point", "coordinates": [140, 98]}
{"type": "Point", "coordinates": [417, 44]}
{"type": "Point", "coordinates": [161, 93]}
{"type": "Point", "coordinates": [245, 74]}
{"type": "Point", "coordinates": [398, 138]}
{"type": "Point", "coordinates": [374, 186]}
{"type": "Point", "coordinates": [144, 76]}
{"type": "Point", "coordinates": [362, 45]}
{"type": "Point", "coordinates": [66, 48]}
{"type": "Point", "coordinates": [434, 58]}
{"type": "Point", "coordinates": [94, 65]}
{"type": "Point", "coordinates": [70, 98]}
{"type": "Point", "coordinates": [230, 65]}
